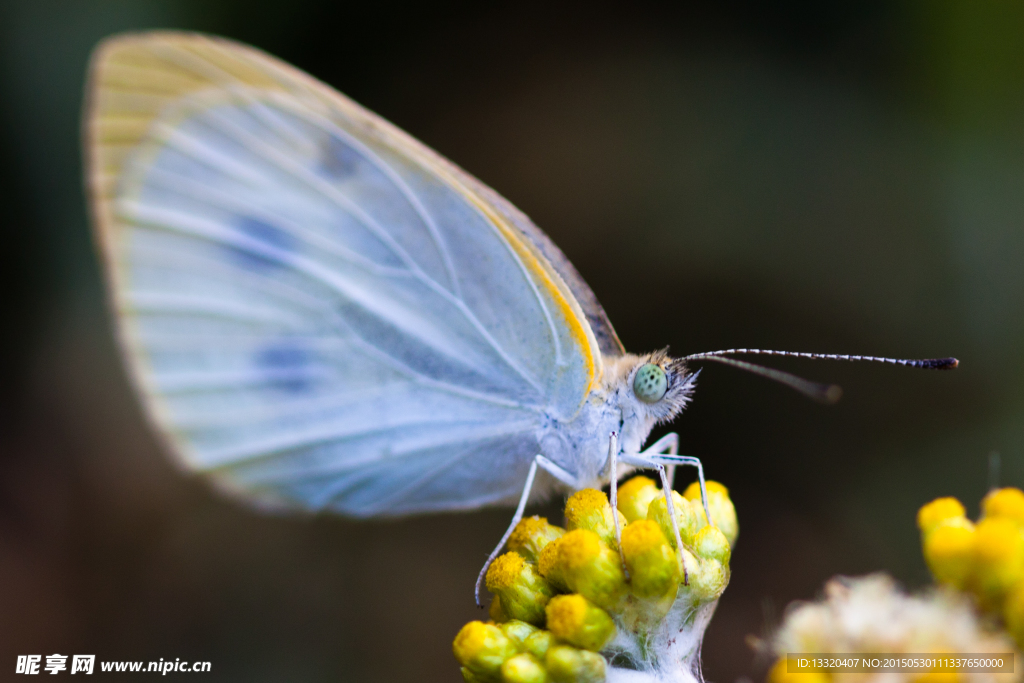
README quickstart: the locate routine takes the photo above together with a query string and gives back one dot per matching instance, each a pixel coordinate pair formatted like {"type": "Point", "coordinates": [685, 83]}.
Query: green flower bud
{"type": "Point", "coordinates": [531, 535]}
{"type": "Point", "coordinates": [482, 649]}
{"type": "Point", "coordinates": [539, 643]}
{"type": "Point", "coordinates": [657, 511]}
{"type": "Point", "coordinates": [518, 631]}
{"type": "Point", "coordinates": [574, 620]}
{"type": "Point", "coordinates": [653, 565]}
{"type": "Point", "coordinates": [592, 569]}
{"type": "Point", "coordinates": [470, 677]}
{"type": "Point", "coordinates": [566, 664]}
{"type": "Point", "coordinates": [690, 564]}
{"type": "Point", "coordinates": [634, 497]}
{"type": "Point", "coordinates": [708, 580]}
{"type": "Point", "coordinates": [589, 509]}
{"type": "Point", "coordinates": [711, 543]}
{"type": "Point", "coordinates": [522, 590]}
{"type": "Point", "coordinates": [523, 668]}
{"type": "Point", "coordinates": [495, 612]}
{"type": "Point", "coordinates": [723, 513]}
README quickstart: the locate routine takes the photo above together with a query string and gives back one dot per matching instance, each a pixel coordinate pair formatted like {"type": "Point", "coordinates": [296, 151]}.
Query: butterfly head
{"type": "Point", "coordinates": [657, 387]}
{"type": "Point", "coordinates": [645, 390]}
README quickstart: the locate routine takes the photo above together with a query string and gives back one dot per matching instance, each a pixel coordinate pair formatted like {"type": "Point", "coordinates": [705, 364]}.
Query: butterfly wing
{"type": "Point", "coordinates": [316, 309]}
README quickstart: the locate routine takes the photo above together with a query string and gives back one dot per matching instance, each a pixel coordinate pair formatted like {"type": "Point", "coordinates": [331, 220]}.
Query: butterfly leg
{"type": "Point", "coordinates": [656, 458]}
{"type": "Point", "coordinates": [669, 443]}
{"type": "Point", "coordinates": [552, 469]}
{"type": "Point", "coordinates": [670, 459]}
{"type": "Point", "coordinates": [645, 461]}
{"type": "Point", "coordinates": [613, 472]}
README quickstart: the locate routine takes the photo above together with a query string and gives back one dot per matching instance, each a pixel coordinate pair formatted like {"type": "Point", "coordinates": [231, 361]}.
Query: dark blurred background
{"type": "Point", "coordinates": [844, 177]}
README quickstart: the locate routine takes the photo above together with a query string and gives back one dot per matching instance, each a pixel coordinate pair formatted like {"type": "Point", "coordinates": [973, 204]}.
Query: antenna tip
{"type": "Point", "coordinates": [941, 363]}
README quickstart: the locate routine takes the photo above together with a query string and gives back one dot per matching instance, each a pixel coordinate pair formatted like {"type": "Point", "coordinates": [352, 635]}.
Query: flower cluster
{"type": "Point", "coordinates": [977, 566]}
{"type": "Point", "coordinates": [870, 614]}
{"type": "Point", "coordinates": [570, 600]}
{"type": "Point", "coordinates": [984, 559]}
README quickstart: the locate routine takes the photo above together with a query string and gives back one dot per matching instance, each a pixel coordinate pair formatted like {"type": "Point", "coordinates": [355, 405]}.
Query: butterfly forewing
{"type": "Point", "coordinates": [317, 309]}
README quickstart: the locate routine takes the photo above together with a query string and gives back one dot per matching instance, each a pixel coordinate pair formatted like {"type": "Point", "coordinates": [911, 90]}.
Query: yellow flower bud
{"type": "Point", "coordinates": [634, 497]}
{"type": "Point", "coordinates": [549, 564]}
{"type": "Point", "coordinates": [566, 664]}
{"type": "Point", "coordinates": [531, 535]}
{"type": "Point", "coordinates": [949, 553]}
{"type": "Point", "coordinates": [1006, 503]}
{"type": "Point", "coordinates": [482, 649]}
{"type": "Point", "coordinates": [653, 565]}
{"type": "Point", "coordinates": [517, 631]}
{"type": "Point", "coordinates": [998, 555]}
{"type": "Point", "coordinates": [589, 509]}
{"type": "Point", "coordinates": [657, 511]}
{"type": "Point", "coordinates": [938, 512]}
{"type": "Point", "coordinates": [711, 543]}
{"type": "Point", "coordinates": [539, 643]}
{"type": "Point", "coordinates": [723, 513]}
{"type": "Point", "coordinates": [592, 569]}
{"type": "Point", "coordinates": [523, 668]}
{"type": "Point", "coordinates": [693, 490]}
{"type": "Point", "coordinates": [523, 591]}
{"type": "Point", "coordinates": [574, 620]}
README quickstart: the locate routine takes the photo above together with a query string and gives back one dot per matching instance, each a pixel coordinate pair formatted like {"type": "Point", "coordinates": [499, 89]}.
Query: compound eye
{"type": "Point", "coordinates": [650, 383]}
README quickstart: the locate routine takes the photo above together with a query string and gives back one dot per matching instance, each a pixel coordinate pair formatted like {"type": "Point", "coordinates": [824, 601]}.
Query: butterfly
{"type": "Point", "coordinates": [320, 313]}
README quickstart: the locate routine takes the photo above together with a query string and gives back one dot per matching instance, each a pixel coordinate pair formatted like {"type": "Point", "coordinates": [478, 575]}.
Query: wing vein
{"type": "Point", "coordinates": [299, 172]}
{"type": "Point", "coordinates": [263, 451]}
{"type": "Point", "coordinates": [230, 83]}
{"type": "Point", "coordinates": [190, 189]}
{"type": "Point", "coordinates": [199, 227]}
{"type": "Point", "coordinates": [401, 367]}
{"type": "Point", "coordinates": [406, 192]}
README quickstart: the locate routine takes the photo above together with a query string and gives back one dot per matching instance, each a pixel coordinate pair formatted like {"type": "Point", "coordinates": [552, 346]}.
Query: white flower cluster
{"type": "Point", "coordinates": [871, 615]}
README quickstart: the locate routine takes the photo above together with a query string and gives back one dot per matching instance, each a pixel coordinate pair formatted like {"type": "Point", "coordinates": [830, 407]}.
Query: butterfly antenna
{"type": "Point", "coordinates": [823, 393]}
{"type": "Point", "coordinates": [926, 363]}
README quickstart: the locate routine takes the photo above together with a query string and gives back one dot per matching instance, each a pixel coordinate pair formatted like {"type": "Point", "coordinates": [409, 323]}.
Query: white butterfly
{"type": "Point", "coordinates": [321, 313]}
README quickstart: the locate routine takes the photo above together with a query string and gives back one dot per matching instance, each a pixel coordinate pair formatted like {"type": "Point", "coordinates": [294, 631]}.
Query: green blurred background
{"type": "Point", "coordinates": [843, 177]}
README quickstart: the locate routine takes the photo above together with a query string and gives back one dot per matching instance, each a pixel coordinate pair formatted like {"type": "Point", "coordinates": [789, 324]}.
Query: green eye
{"type": "Point", "coordinates": [650, 383]}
